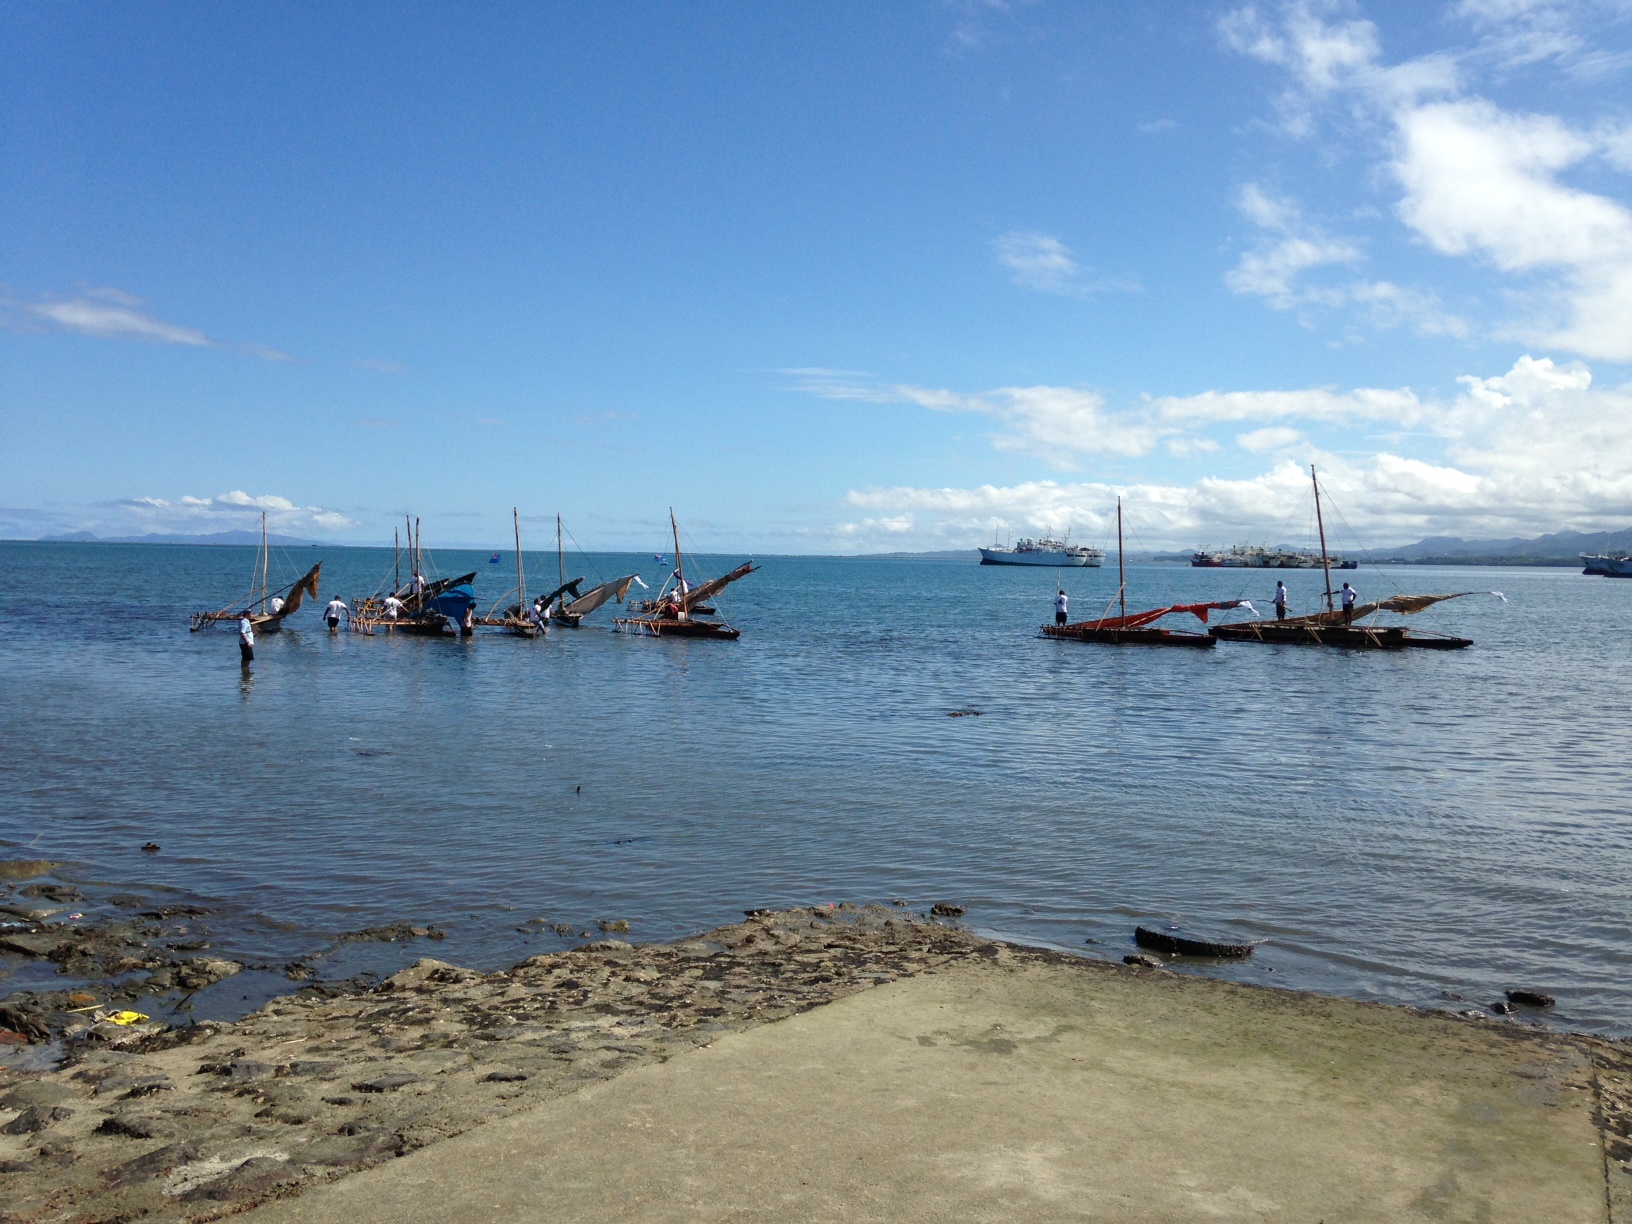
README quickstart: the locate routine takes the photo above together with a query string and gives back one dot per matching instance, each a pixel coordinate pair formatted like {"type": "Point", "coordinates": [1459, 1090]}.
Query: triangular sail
{"type": "Point", "coordinates": [1405, 605]}
{"type": "Point", "coordinates": [592, 599]}
{"type": "Point", "coordinates": [306, 586]}
{"type": "Point", "coordinates": [698, 594]}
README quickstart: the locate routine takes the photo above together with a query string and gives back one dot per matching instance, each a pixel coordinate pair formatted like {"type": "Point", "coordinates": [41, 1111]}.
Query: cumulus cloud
{"type": "Point", "coordinates": [1275, 268]}
{"type": "Point", "coordinates": [111, 314]}
{"type": "Point", "coordinates": [1480, 181]}
{"type": "Point", "coordinates": [1476, 181]}
{"type": "Point", "coordinates": [1536, 449]}
{"type": "Point", "coordinates": [224, 512]}
{"type": "Point", "coordinates": [1041, 261]}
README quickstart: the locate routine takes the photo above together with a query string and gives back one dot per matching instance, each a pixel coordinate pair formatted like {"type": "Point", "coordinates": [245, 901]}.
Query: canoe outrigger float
{"type": "Point", "coordinates": [675, 610]}
{"type": "Point", "coordinates": [1334, 627]}
{"type": "Point", "coordinates": [1136, 630]}
{"type": "Point", "coordinates": [265, 607]}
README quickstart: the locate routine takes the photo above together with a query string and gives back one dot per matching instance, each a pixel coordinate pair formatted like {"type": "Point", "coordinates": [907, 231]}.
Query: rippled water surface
{"type": "Point", "coordinates": [1395, 826]}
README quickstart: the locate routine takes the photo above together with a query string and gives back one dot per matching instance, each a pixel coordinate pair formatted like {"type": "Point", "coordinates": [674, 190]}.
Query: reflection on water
{"type": "Point", "coordinates": [1396, 826]}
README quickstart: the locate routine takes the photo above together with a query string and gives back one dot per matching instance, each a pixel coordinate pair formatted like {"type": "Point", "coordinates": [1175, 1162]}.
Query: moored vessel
{"type": "Point", "coordinates": [1336, 627]}
{"type": "Point", "coordinates": [679, 610]}
{"type": "Point", "coordinates": [1607, 566]}
{"type": "Point", "coordinates": [266, 608]}
{"type": "Point", "coordinates": [1057, 553]}
{"type": "Point", "coordinates": [1138, 628]}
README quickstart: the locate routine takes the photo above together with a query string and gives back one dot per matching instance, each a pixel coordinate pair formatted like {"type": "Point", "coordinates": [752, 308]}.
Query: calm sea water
{"type": "Point", "coordinates": [1396, 826]}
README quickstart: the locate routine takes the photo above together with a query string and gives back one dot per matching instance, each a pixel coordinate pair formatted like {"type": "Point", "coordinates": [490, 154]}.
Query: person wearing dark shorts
{"type": "Point", "coordinates": [333, 613]}
{"type": "Point", "coordinates": [1062, 606]}
{"type": "Point", "coordinates": [246, 640]}
{"type": "Point", "coordinates": [1280, 601]}
{"type": "Point", "coordinates": [1349, 596]}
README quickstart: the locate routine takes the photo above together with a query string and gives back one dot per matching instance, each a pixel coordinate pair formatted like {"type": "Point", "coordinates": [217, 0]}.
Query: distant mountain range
{"type": "Point", "coordinates": [1560, 548]}
{"type": "Point", "coordinates": [219, 537]}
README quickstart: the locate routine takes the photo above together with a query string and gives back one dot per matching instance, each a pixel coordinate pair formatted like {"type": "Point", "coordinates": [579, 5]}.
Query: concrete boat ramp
{"type": "Point", "coordinates": [1020, 1085]}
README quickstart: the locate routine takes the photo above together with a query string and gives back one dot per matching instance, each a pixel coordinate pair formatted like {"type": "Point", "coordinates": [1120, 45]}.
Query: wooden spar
{"type": "Point", "coordinates": [560, 559]}
{"type": "Point", "coordinates": [265, 562]}
{"type": "Point", "coordinates": [679, 566]}
{"type": "Point", "coordinates": [1325, 561]}
{"type": "Point", "coordinates": [1121, 571]}
{"type": "Point", "coordinates": [521, 585]}
{"type": "Point", "coordinates": [396, 558]}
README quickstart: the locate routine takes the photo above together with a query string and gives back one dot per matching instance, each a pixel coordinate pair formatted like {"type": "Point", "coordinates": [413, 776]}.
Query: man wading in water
{"type": "Point", "coordinates": [1062, 604]}
{"type": "Point", "coordinates": [333, 613]}
{"type": "Point", "coordinates": [246, 640]}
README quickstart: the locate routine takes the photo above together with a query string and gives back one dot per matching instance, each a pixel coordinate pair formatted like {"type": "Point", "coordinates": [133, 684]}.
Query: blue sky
{"type": "Point", "coordinates": [826, 278]}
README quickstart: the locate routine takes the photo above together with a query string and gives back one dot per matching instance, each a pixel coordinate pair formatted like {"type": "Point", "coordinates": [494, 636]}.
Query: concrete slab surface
{"type": "Point", "coordinates": [1016, 1090]}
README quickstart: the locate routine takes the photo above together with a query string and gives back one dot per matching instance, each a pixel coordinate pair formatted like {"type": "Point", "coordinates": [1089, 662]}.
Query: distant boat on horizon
{"type": "Point", "coordinates": [1045, 551]}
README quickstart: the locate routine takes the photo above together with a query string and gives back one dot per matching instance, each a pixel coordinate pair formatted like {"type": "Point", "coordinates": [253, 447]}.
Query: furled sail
{"type": "Point", "coordinates": [595, 597]}
{"type": "Point", "coordinates": [698, 594]}
{"type": "Point", "coordinates": [306, 586]}
{"type": "Point", "coordinates": [1405, 605]}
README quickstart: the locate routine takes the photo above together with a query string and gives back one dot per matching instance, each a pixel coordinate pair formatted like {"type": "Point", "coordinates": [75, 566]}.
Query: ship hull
{"type": "Point", "coordinates": [1607, 567]}
{"type": "Point", "coordinates": [1347, 637]}
{"type": "Point", "coordinates": [1053, 560]}
{"type": "Point", "coordinates": [1130, 637]}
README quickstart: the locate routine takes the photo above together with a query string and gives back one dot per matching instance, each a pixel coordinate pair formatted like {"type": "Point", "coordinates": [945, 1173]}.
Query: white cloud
{"type": "Point", "coordinates": [1272, 271]}
{"type": "Point", "coordinates": [1476, 181]}
{"type": "Point", "coordinates": [1480, 181]}
{"type": "Point", "coordinates": [223, 512]}
{"type": "Point", "coordinates": [112, 314]}
{"type": "Point", "coordinates": [1043, 262]}
{"type": "Point", "coordinates": [115, 320]}
{"type": "Point", "coordinates": [1269, 438]}
{"type": "Point", "coordinates": [1539, 448]}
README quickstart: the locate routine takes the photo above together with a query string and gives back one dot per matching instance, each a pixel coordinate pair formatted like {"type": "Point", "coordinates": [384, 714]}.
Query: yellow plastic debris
{"type": "Point", "coordinates": [127, 1017]}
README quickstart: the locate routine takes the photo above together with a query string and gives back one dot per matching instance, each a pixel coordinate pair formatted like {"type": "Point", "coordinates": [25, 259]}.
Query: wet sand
{"type": "Point", "coordinates": [914, 1071]}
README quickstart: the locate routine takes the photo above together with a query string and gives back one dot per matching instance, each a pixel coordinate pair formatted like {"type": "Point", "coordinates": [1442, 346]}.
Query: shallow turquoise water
{"type": "Point", "coordinates": [1396, 826]}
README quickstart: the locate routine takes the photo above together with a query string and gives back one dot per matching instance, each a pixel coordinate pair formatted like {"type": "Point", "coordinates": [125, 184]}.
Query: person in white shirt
{"type": "Point", "coordinates": [1062, 608]}
{"type": "Point", "coordinates": [1349, 596]}
{"type": "Point", "coordinates": [541, 616]}
{"type": "Point", "coordinates": [416, 585]}
{"type": "Point", "coordinates": [246, 640]}
{"type": "Point", "coordinates": [393, 607]}
{"type": "Point", "coordinates": [1280, 601]}
{"type": "Point", "coordinates": [333, 613]}
{"type": "Point", "coordinates": [276, 605]}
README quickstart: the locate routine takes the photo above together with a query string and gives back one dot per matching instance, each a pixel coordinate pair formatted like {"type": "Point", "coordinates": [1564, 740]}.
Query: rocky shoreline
{"type": "Point", "coordinates": [145, 1121]}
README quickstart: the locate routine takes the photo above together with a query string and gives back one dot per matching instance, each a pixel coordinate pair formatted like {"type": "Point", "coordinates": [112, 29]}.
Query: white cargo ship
{"type": "Point", "coordinates": [1609, 566]}
{"type": "Point", "coordinates": [1042, 552]}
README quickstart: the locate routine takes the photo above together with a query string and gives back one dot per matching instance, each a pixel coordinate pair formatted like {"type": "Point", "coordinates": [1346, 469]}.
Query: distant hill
{"type": "Point", "coordinates": [219, 537]}
{"type": "Point", "coordinates": [1560, 548]}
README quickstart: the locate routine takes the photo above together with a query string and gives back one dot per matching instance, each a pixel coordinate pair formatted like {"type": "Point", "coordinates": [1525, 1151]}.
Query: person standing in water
{"type": "Point", "coordinates": [246, 640]}
{"type": "Point", "coordinates": [1349, 596]}
{"type": "Point", "coordinates": [333, 613]}
{"type": "Point", "coordinates": [1062, 607]}
{"type": "Point", "coordinates": [1280, 601]}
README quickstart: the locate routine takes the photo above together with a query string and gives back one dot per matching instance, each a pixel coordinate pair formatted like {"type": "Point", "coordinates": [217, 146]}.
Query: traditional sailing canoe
{"type": "Point", "coordinates": [1333, 627]}
{"type": "Point", "coordinates": [266, 608]}
{"type": "Point", "coordinates": [675, 612]}
{"type": "Point", "coordinates": [1136, 629]}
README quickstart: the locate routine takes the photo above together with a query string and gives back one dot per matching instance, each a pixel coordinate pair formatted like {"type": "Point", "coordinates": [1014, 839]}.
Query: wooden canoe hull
{"type": "Point", "coordinates": [1130, 637]}
{"type": "Point", "coordinates": [653, 626]}
{"type": "Point", "coordinates": [1348, 637]}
